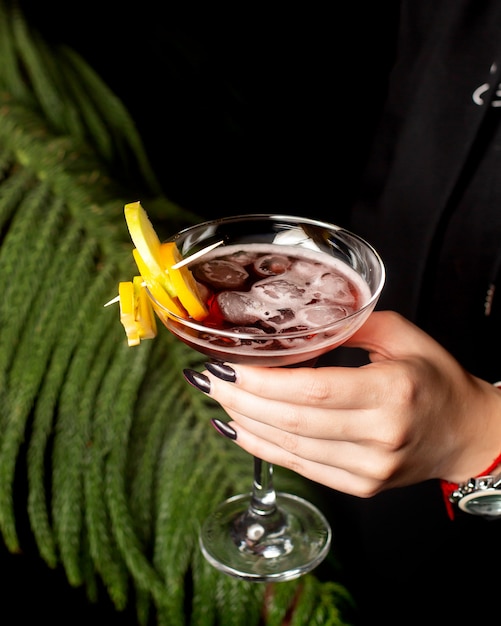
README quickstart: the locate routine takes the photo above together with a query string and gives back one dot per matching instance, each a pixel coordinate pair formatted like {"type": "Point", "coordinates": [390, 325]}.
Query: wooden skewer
{"type": "Point", "coordinates": [176, 266]}
{"type": "Point", "coordinates": [117, 298]}
{"type": "Point", "coordinates": [196, 255]}
{"type": "Point", "coordinates": [112, 301]}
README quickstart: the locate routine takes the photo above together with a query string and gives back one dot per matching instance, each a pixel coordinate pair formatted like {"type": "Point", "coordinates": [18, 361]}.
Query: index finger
{"type": "Point", "coordinates": [333, 387]}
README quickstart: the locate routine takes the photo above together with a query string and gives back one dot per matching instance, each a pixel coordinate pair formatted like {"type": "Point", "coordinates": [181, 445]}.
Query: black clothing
{"type": "Point", "coordinates": [431, 205]}
{"type": "Point", "coordinates": [433, 181]}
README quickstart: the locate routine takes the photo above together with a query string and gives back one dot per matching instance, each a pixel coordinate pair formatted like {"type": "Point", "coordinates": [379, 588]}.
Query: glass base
{"type": "Point", "coordinates": [277, 546]}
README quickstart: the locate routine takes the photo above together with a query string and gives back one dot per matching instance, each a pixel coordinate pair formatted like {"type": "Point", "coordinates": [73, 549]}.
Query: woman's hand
{"type": "Point", "coordinates": [410, 415]}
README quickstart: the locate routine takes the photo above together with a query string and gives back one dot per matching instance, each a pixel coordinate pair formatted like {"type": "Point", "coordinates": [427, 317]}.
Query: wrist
{"type": "Point", "coordinates": [479, 495]}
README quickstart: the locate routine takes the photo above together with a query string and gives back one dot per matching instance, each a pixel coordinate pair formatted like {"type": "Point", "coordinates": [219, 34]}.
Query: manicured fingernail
{"type": "Point", "coordinates": [197, 380]}
{"type": "Point", "coordinates": [222, 371]}
{"type": "Point", "coordinates": [223, 429]}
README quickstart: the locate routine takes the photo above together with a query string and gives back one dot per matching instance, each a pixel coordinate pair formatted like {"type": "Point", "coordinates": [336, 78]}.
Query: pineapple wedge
{"type": "Point", "coordinates": [136, 311]}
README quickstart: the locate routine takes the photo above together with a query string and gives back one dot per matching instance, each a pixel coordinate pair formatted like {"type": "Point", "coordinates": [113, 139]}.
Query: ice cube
{"type": "Point", "coordinates": [316, 315]}
{"type": "Point", "coordinates": [279, 291]}
{"type": "Point", "coordinates": [242, 257]}
{"type": "Point", "coordinates": [294, 342]}
{"type": "Point", "coordinates": [259, 341]}
{"type": "Point", "coordinates": [220, 274]}
{"type": "Point", "coordinates": [335, 288]}
{"type": "Point", "coordinates": [271, 264]}
{"type": "Point", "coordinates": [260, 338]}
{"type": "Point", "coordinates": [239, 307]}
{"type": "Point", "coordinates": [281, 317]}
{"type": "Point", "coordinates": [303, 270]}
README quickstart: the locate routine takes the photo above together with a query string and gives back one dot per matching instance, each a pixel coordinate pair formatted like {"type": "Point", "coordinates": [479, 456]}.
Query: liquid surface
{"type": "Point", "coordinates": [275, 291]}
{"type": "Point", "coordinates": [260, 294]}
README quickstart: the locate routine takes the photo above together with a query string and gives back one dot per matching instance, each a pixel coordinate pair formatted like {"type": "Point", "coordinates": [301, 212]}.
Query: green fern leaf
{"type": "Point", "coordinates": [122, 465]}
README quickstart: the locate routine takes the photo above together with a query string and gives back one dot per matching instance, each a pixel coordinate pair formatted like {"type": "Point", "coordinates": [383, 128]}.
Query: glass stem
{"type": "Point", "coordinates": [263, 500]}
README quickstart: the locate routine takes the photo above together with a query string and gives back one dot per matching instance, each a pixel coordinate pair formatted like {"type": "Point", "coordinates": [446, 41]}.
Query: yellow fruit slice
{"type": "Point", "coordinates": [147, 243]}
{"type": "Point", "coordinates": [136, 312]}
{"type": "Point", "coordinates": [156, 289]}
{"type": "Point", "coordinates": [184, 284]}
{"type": "Point", "coordinates": [174, 289]}
{"type": "Point", "coordinates": [145, 317]}
{"type": "Point", "coordinates": [127, 312]}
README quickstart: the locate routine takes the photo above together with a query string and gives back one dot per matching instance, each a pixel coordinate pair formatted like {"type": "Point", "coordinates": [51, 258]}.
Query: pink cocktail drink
{"type": "Point", "coordinates": [279, 299]}
{"type": "Point", "coordinates": [272, 304]}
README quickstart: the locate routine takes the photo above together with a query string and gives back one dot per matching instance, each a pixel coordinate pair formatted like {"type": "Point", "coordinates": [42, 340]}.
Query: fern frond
{"type": "Point", "coordinates": [103, 546]}
{"type": "Point", "coordinates": [106, 119]}
{"type": "Point", "coordinates": [320, 604]}
{"type": "Point", "coordinates": [27, 371]}
{"type": "Point", "coordinates": [39, 451]}
{"type": "Point", "coordinates": [34, 229]}
{"type": "Point", "coordinates": [203, 608]}
{"type": "Point", "coordinates": [40, 68]}
{"type": "Point", "coordinates": [11, 77]}
{"type": "Point", "coordinates": [15, 183]}
{"type": "Point", "coordinates": [151, 429]}
{"type": "Point", "coordinates": [239, 603]}
{"type": "Point", "coordinates": [121, 462]}
{"type": "Point", "coordinates": [73, 441]}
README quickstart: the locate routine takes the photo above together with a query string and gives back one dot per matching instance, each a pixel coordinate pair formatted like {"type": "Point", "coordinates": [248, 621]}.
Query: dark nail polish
{"type": "Point", "coordinates": [197, 380]}
{"type": "Point", "coordinates": [222, 371]}
{"type": "Point", "coordinates": [223, 429]}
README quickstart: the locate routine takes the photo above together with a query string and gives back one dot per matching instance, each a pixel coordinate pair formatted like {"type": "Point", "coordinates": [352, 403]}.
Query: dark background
{"type": "Point", "coordinates": [247, 111]}
{"type": "Point", "coordinates": [241, 110]}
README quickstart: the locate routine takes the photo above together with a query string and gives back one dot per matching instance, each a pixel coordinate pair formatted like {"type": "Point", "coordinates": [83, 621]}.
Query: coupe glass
{"type": "Point", "coordinates": [268, 535]}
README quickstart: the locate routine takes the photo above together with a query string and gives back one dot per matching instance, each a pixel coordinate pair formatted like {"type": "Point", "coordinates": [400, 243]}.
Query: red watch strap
{"type": "Point", "coordinates": [450, 488]}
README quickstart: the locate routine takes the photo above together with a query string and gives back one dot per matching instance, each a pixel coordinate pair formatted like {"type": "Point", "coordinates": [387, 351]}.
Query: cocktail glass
{"type": "Point", "coordinates": [267, 535]}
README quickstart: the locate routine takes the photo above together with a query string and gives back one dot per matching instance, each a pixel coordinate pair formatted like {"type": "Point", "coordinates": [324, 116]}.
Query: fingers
{"type": "Point", "coordinates": [291, 425]}
{"type": "Point", "coordinates": [339, 466]}
{"type": "Point", "coordinates": [330, 387]}
{"type": "Point", "coordinates": [325, 420]}
{"type": "Point", "coordinates": [320, 447]}
{"type": "Point", "coordinates": [322, 417]}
